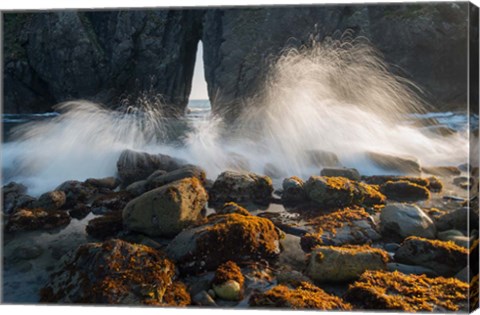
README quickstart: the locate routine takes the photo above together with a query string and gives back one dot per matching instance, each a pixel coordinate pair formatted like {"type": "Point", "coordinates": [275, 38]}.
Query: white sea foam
{"type": "Point", "coordinates": [336, 96]}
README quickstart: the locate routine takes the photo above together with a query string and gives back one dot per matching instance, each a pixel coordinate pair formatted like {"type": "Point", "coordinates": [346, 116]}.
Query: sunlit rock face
{"type": "Point", "coordinates": [103, 56]}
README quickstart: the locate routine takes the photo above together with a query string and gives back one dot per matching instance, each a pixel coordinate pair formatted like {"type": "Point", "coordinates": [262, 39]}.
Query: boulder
{"type": "Point", "coordinates": [446, 258]}
{"type": "Point", "coordinates": [434, 184]}
{"type": "Point", "coordinates": [76, 192]}
{"type": "Point", "coordinates": [167, 210]}
{"type": "Point", "coordinates": [224, 237]}
{"type": "Point", "coordinates": [293, 190]}
{"type": "Point", "coordinates": [404, 191]}
{"type": "Point", "coordinates": [346, 263]}
{"type": "Point", "coordinates": [106, 182]}
{"type": "Point", "coordinates": [304, 296]}
{"type": "Point", "coordinates": [456, 219]}
{"type": "Point", "coordinates": [350, 173]}
{"type": "Point", "coordinates": [228, 282]}
{"type": "Point", "coordinates": [455, 236]}
{"type": "Point", "coordinates": [382, 179]}
{"type": "Point", "coordinates": [186, 171]}
{"type": "Point", "coordinates": [406, 220]}
{"type": "Point", "coordinates": [50, 201]}
{"type": "Point", "coordinates": [112, 272]}
{"type": "Point", "coordinates": [36, 219]}
{"type": "Point", "coordinates": [79, 211]}
{"type": "Point", "coordinates": [133, 166]}
{"type": "Point", "coordinates": [105, 226]}
{"type": "Point", "coordinates": [382, 290]}
{"type": "Point", "coordinates": [112, 202]}
{"type": "Point", "coordinates": [346, 226]}
{"type": "Point", "coordinates": [321, 158]}
{"type": "Point", "coordinates": [137, 188]}
{"type": "Point", "coordinates": [341, 192]}
{"type": "Point", "coordinates": [402, 165]}
{"type": "Point", "coordinates": [14, 196]}
{"type": "Point", "coordinates": [241, 187]}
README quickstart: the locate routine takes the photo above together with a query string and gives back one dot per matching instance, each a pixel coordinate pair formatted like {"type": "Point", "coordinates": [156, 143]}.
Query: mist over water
{"type": "Point", "coordinates": [336, 96]}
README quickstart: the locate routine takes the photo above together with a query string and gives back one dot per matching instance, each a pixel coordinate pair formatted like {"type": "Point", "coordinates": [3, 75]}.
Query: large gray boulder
{"type": "Point", "coordinates": [167, 210]}
{"type": "Point", "coordinates": [406, 220]}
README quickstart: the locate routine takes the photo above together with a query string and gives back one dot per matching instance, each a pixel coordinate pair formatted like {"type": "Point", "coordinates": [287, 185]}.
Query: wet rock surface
{"type": "Point", "coordinates": [36, 219]}
{"type": "Point", "coordinates": [337, 264]}
{"type": "Point", "coordinates": [166, 210]}
{"type": "Point", "coordinates": [446, 258]}
{"type": "Point", "coordinates": [405, 220]}
{"type": "Point", "coordinates": [241, 187]}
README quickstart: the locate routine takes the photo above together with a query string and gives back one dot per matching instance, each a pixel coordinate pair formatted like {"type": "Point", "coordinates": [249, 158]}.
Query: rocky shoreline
{"type": "Point", "coordinates": [162, 233]}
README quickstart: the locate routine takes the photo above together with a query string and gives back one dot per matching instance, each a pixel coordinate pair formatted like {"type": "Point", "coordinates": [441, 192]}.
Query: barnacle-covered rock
{"type": "Point", "coordinates": [36, 219]}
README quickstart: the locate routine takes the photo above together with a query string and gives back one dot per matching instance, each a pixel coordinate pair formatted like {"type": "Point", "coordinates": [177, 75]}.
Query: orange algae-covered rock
{"type": "Point", "coordinates": [36, 219]}
{"type": "Point", "coordinates": [224, 237]}
{"type": "Point", "coordinates": [383, 290]}
{"type": "Point", "coordinates": [346, 226]}
{"type": "Point", "coordinates": [404, 191]}
{"type": "Point", "coordinates": [341, 192]}
{"type": "Point", "coordinates": [112, 272]}
{"type": "Point", "coordinates": [176, 294]}
{"type": "Point", "coordinates": [305, 296]}
{"type": "Point", "coordinates": [446, 258]}
{"type": "Point", "coordinates": [228, 281]}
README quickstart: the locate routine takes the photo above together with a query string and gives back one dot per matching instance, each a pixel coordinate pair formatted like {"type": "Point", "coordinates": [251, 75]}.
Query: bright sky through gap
{"type": "Point", "coordinates": [199, 86]}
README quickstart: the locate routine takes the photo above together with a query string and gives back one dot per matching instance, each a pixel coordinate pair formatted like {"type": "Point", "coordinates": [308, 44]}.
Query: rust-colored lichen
{"type": "Point", "coordinates": [355, 249]}
{"type": "Point", "coordinates": [411, 293]}
{"type": "Point", "coordinates": [36, 219]}
{"type": "Point", "coordinates": [228, 271]}
{"type": "Point", "coordinates": [305, 296]}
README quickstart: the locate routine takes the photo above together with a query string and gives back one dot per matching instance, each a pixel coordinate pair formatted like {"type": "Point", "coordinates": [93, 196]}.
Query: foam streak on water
{"type": "Point", "coordinates": [336, 96]}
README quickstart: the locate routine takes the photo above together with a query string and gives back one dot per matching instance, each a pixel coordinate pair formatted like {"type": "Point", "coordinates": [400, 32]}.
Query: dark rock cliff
{"type": "Point", "coordinates": [106, 56]}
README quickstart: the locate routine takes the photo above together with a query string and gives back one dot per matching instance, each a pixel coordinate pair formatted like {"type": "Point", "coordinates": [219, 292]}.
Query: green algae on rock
{"type": "Point", "coordinates": [304, 296]}
{"type": "Point", "coordinates": [381, 290]}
